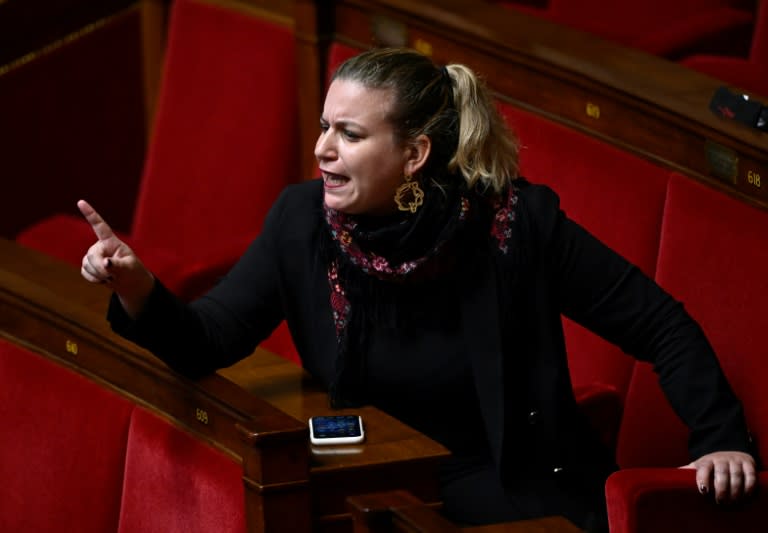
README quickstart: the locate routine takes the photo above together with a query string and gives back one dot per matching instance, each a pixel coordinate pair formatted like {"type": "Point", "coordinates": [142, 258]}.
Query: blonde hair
{"type": "Point", "coordinates": [450, 105]}
{"type": "Point", "coordinates": [487, 152]}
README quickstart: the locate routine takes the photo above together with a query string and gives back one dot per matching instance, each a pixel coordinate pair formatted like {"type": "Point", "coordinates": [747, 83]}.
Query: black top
{"type": "Point", "coordinates": [504, 357]}
{"type": "Point", "coordinates": [425, 380]}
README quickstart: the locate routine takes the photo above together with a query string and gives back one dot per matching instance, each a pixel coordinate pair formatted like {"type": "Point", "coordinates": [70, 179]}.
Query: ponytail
{"type": "Point", "coordinates": [487, 150]}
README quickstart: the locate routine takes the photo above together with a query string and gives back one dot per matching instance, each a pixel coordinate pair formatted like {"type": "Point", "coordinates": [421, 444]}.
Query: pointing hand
{"type": "Point", "coordinates": [112, 262]}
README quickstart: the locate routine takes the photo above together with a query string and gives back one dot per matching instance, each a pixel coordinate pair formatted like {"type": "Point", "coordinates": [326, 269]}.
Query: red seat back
{"type": "Point", "coordinates": [714, 258]}
{"type": "Point", "coordinates": [178, 484]}
{"type": "Point", "coordinates": [616, 196]}
{"type": "Point", "coordinates": [225, 143]}
{"type": "Point", "coordinates": [62, 450]}
{"type": "Point", "coordinates": [749, 73]}
{"type": "Point", "coordinates": [690, 25]}
{"type": "Point", "coordinates": [758, 53]}
{"type": "Point", "coordinates": [225, 138]}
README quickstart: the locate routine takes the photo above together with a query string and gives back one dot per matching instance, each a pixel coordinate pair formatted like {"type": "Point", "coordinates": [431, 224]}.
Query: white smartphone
{"type": "Point", "coordinates": [336, 429]}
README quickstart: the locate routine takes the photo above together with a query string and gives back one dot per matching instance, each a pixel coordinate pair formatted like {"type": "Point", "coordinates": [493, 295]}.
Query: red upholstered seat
{"type": "Point", "coordinates": [62, 448]}
{"type": "Point", "coordinates": [713, 257]}
{"type": "Point", "coordinates": [671, 29]}
{"type": "Point", "coordinates": [175, 483]}
{"type": "Point", "coordinates": [617, 196]}
{"type": "Point", "coordinates": [749, 74]}
{"type": "Point", "coordinates": [337, 54]}
{"type": "Point", "coordinates": [224, 144]}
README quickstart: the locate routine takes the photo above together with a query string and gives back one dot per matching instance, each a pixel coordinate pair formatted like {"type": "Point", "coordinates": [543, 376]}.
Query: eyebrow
{"type": "Point", "coordinates": [343, 123]}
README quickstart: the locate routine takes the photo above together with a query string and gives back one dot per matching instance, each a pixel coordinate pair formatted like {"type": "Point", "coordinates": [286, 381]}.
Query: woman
{"type": "Point", "coordinates": [422, 276]}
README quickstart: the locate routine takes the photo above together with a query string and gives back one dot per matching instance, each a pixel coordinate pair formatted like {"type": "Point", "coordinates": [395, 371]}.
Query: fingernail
{"type": "Point", "coordinates": [703, 488]}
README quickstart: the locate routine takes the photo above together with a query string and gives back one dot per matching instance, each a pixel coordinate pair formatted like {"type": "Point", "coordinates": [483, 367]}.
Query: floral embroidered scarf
{"type": "Point", "coordinates": [368, 256]}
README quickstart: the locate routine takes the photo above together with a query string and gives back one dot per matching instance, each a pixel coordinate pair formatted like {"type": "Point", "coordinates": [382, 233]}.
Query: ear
{"type": "Point", "coordinates": [416, 154]}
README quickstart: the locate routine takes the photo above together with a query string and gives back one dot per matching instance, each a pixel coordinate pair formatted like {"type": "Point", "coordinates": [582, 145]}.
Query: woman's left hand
{"type": "Point", "coordinates": [730, 475]}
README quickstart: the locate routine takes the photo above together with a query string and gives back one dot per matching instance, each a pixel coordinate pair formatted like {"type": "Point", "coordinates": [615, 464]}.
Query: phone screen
{"type": "Point", "coordinates": [336, 429]}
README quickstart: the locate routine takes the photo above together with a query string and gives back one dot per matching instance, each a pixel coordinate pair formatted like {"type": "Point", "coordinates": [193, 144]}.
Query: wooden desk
{"type": "Point", "coordinates": [45, 304]}
{"type": "Point", "coordinates": [394, 455]}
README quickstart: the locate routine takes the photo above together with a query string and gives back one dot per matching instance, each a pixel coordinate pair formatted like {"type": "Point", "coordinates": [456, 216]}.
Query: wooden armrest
{"type": "Point", "coordinates": [396, 510]}
{"type": "Point", "coordinates": [400, 511]}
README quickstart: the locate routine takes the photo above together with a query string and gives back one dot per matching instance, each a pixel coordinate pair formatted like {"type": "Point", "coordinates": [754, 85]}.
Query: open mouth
{"type": "Point", "coordinates": [332, 180]}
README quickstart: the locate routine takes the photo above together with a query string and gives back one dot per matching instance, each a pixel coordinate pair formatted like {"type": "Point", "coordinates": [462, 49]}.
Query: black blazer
{"type": "Point", "coordinates": [565, 271]}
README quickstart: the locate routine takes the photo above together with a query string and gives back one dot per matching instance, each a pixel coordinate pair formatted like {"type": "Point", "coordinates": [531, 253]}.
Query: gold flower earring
{"type": "Point", "coordinates": [409, 196]}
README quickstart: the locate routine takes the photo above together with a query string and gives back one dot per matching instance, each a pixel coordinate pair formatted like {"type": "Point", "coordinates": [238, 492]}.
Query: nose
{"type": "Point", "coordinates": [325, 148]}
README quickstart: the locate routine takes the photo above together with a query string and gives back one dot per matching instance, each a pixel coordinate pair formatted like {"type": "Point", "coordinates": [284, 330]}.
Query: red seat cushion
{"type": "Point", "coordinates": [176, 483]}
{"type": "Point", "coordinates": [705, 25]}
{"type": "Point", "coordinates": [664, 500]}
{"type": "Point", "coordinates": [63, 447]}
{"type": "Point", "coordinates": [65, 237]}
{"type": "Point", "coordinates": [748, 73]}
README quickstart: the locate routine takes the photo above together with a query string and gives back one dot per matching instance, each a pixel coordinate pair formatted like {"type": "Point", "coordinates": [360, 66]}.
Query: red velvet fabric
{"type": "Point", "coordinates": [224, 145]}
{"type": "Point", "coordinates": [749, 74]}
{"type": "Point", "coordinates": [714, 258]}
{"type": "Point", "coordinates": [337, 54]}
{"type": "Point", "coordinates": [650, 433]}
{"type": "Point", "coordinates": [603, 405]}
{"type": "Point", "coordinates": [176, 483]}
{"type": "Point", "coordinates": [225, 140]}
{"type": "Point", "coordinates": [617, 196]}
{"type": "Point", "coordinates": [665, 500]}
{"type": "Point", "coordinates": [62, 450]}
{"type": "Point", "coordinates": [669, 29]}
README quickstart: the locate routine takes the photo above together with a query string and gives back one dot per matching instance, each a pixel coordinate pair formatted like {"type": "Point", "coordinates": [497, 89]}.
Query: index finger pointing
{"type": "Point", "coordinates": [100, 228]}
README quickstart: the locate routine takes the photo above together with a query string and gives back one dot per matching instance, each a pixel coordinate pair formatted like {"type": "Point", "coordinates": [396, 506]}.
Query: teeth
{"type": "Point", "coordinates": [333, 179]}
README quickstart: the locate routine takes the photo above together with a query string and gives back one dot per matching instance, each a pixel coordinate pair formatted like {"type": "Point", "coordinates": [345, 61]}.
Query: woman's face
{"type": "Point", "coordinates": [360, 161]}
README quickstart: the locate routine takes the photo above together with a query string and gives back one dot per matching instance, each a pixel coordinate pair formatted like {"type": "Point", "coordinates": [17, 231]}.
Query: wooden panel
{"type": "Point", "coordinates": [641, 103]}
{"type": "Point", "coordinates": [278, 11]}
{"type": "Point", "coordinates": [26, 26]}
{"type": "Point", "coordinates": [393, 456]}
{"type": "Point", "coordinates": [72, 126]}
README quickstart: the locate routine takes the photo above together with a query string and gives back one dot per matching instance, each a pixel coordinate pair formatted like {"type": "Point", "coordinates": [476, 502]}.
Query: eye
{"type": "Point", "coordinates": [323, 126]}
{"type": "Point", "coordinates": [351, 135]}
